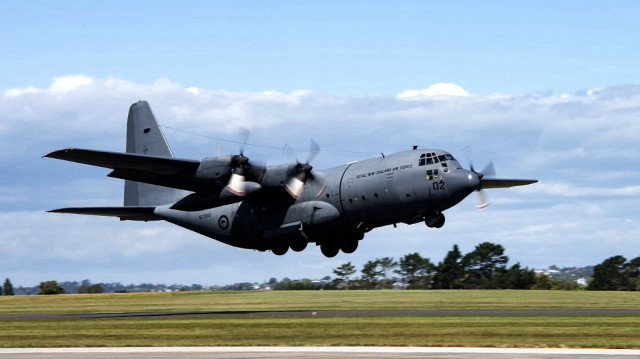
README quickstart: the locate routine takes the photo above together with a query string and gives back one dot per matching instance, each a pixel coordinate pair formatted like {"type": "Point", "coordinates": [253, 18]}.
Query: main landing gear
{"type": "Point", "coordinates": [347, 244]}
{"type": "Point", "coordinates": [436, 220]}
{"type": "Point", "coordinates": [297, 242]}
{"type": "Point", "coordinates": [330, 243]}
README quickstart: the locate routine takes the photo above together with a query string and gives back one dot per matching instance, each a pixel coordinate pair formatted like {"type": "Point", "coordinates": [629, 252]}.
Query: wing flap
{"type": "Point", "coordinates": [124, 213]}
{"type": "Point", "coordinates": [504, 183]}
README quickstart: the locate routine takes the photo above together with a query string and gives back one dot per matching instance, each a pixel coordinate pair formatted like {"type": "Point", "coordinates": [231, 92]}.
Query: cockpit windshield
{"type": "Point", "coordinates": [432, 158]}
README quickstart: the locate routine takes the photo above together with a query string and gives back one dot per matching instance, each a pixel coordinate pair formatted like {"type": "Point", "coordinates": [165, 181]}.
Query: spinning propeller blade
{"type": "Point", "coordinates": [303, 173]}
{"type": "Point", "coordinates": [237, 184]}
{"type": "Point", "coordinates": [488, 171]}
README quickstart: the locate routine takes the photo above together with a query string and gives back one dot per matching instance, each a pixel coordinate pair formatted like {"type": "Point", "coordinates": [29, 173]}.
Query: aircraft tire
{"type": "Point", "coordinates": [330, 250]}
{"type": "Point", "coordinates": [298, 244]}
{"type": "Point", "coordinates": [280, 248]}
{"type": "Point", "coordinates": [349, 246]}
{"type": "Point", "coordinates": [436, 221]}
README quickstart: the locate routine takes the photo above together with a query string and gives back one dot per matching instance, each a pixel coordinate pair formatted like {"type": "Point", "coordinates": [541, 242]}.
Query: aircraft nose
{"type": "Point", "coordinates": [463, 181]}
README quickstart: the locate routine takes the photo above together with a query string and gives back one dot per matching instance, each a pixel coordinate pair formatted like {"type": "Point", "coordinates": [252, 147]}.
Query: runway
{"type": "Point", "coordinates": [328, 313]}
{"type": "Point", "coordinates": [315, 352]}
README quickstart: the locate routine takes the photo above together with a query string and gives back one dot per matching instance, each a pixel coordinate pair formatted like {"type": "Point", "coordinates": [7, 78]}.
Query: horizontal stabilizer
{"type": "Point", "coordinates": [504, 183]}
{"type": "Point", "coordinates": [125, 213]}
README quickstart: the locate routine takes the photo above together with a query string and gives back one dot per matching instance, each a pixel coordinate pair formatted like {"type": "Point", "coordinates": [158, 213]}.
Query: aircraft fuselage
{"type": "Point", "coordinates": [353, 199]}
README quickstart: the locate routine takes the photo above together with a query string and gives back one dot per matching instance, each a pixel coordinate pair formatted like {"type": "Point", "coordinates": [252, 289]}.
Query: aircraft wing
{"type": "Point", "coordinates": [504, 183]}
{"type": "Point", "coordinates": [125, 213]}
{"type": "Point", "coordinates": [158, 170]}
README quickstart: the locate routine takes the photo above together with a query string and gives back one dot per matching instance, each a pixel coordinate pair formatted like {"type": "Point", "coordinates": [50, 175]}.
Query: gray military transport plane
{"type": "Point", "coordinates": [277, 208]}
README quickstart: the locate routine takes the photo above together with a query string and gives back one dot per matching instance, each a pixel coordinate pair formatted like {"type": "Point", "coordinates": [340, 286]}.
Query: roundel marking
{"type": "Point", "coordinates": [223, 222]}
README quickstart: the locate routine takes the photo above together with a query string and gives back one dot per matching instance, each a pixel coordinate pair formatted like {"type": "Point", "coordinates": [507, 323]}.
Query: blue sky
{"type": "Point", "coordinates": [335, 47]}
{"type": "Point", "coordinates": [548, 90]}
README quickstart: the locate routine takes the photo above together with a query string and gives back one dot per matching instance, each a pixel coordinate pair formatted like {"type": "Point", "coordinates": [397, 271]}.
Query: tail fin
{"type": "Point", "coordinates": [145, 137]}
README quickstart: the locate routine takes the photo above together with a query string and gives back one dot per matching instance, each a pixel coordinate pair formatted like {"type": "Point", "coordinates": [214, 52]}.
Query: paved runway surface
{"type": "Point", "coordinates": [304, 313]}
{"type": "Point", "coordinates": [314, 352]}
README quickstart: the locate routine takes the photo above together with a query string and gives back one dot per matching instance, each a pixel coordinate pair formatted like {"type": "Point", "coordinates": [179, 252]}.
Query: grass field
{"type": "Point", "coordinates": [512, 331]}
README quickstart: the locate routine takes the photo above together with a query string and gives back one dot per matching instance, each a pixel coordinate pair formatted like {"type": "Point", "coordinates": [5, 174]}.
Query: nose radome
{"type": "Point", "coordinates": [463, 181]}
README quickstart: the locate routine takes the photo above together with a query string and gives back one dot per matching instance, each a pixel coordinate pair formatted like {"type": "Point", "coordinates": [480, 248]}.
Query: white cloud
{"type": "Point", "coordinates": [15, 92]}
{"type": "Point", "coordinates": [65, 84]}
{"type": "Point", "coordinates": [436, 90]}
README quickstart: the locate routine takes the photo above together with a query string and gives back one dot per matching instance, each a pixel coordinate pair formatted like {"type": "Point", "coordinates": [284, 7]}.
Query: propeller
{"type": "Point", "coordinates": [236, 183]}
{"type": "Point", "coordinates": [303, 173]}
{"type": "Point", "coordinates": [239, 164]}
{"type": "Point", "coordinates": [488, 171]}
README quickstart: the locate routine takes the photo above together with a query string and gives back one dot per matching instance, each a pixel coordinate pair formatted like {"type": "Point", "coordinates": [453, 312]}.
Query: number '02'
{"type": "Point", "coordinates": [439, 185]}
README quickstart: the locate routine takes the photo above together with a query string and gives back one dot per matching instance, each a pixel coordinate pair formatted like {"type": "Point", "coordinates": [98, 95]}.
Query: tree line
{"type": "Point", "coordinates": [483, 268]}
{"type": "Point", "coordinates": [616, 273]}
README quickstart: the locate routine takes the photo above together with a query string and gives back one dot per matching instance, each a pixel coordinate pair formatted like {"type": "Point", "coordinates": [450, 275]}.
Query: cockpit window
{"type": "Point", "coordinates": [431, 158]}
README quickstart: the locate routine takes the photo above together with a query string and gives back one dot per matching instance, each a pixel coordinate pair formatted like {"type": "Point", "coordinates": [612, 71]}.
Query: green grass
{"type": "Point", "coordinates": [318, 300]}
{"type": "Point", "coordinates": [560, 331]}
{"type": "Point", "coordinates": [595, 331]}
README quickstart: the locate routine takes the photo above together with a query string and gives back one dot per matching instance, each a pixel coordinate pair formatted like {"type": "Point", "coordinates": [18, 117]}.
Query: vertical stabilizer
{"type": "Point", "coordinates": [145, 137]}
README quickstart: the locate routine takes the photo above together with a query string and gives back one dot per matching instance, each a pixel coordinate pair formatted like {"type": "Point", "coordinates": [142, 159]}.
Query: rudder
{"type": "Point", "coordinates": [144, 136]}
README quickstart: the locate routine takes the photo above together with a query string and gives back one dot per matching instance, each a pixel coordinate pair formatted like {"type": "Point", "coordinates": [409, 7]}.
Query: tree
{"type": "Point", "coordinates": [344, 273]}
{"type": "Point", "coordinates": [449, 272]}
{"type": "Point", "coordinates": [302, 284]}
{"type": "Point", "coordinates": [416, 271]}
{"type": "Point", "coordinates": [542, 282]}
{"type": "Point", "coordinates": [609, 275]}
{"type": "Point", "coordinates": [50, 287]}
{"type": "Point", "coordinates": [90, 289]}
{"type": "Point", "coordinates": [564, 284]}
{"type": "Point", "coordinates": [483, 265]}
{"type": "Point", "coordinates": [516, 278]}
{"type": "Point", "coordinates": [632, 270]}
{"type": "Point", "coordinates": [8, 287]}
{"type": "Point", "coordinates": [371, 274]}
{"type": "Point", "coordinates": [386, 265]}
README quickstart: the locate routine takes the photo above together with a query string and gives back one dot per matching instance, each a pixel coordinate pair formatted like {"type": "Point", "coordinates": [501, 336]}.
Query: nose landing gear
{"type": "Point", "coordinates": [435, 220]}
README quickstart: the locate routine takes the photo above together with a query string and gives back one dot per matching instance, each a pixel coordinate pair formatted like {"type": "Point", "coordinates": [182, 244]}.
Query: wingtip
{"type": "Point", "coordinates": [54, 154]}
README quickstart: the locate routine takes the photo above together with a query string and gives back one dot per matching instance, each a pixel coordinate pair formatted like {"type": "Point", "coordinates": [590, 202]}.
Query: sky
{"type": "Point", "coordinates": [544, 89]}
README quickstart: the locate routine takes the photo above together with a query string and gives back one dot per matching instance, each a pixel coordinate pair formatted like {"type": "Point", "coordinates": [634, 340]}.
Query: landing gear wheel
{"type": "Point", "coordinates": [280, 248]}
{"type": "Point", "coordinates": [298, 244]}
{"type": "Point", "coordinates": [349, 246]}
{"type": "Point", "coordinates": [436, 221]}
{"type": "Point", "coordinates": [330, 250]}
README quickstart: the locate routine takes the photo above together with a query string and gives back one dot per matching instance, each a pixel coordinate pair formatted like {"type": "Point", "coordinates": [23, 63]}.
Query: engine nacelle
{"type": "Point", "coordinates": [276, 176]}
{"type": "Point", "coordinates": [215, 168]}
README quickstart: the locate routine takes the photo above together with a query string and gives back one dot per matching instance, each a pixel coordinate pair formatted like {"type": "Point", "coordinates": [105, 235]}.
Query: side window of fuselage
{"type": "Point", "coordinates": [432, 174]}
